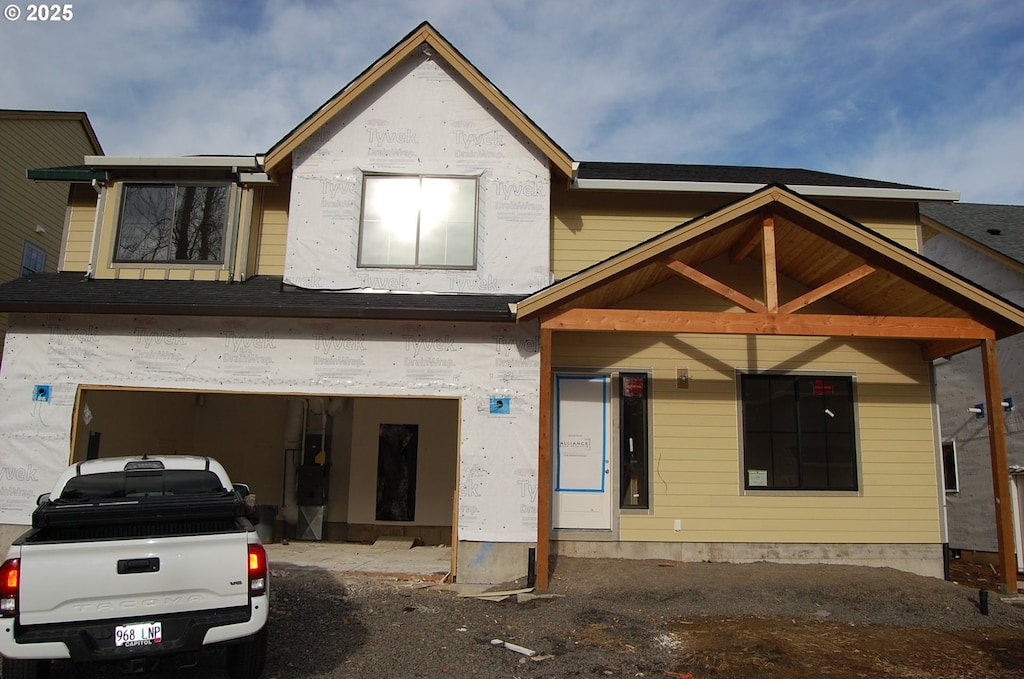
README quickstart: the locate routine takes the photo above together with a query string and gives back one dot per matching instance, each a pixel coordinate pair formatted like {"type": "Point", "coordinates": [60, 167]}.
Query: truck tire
{"type": "Point", "coordinates": [25, 669]}
{"type": "Point", "coordinates": [246, 660]}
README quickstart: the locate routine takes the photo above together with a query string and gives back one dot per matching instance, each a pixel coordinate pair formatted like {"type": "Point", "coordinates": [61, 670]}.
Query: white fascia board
{"type": "Point", "coordinates": [209, 162]}
{"type": "Point", "coordinates": [254, 178]}
{"type": "Point", "coordinates": [747, 188]}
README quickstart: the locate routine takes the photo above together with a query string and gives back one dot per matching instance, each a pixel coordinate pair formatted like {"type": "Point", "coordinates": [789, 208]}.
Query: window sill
{"type": "Point", "coordinates": [800, 493]}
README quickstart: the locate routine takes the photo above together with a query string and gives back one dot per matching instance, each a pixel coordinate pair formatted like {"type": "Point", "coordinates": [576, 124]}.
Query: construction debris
{"type": "Point", "coordinates": [514, 647]}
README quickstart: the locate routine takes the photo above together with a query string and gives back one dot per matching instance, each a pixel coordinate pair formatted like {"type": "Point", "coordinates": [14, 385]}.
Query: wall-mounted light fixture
{"type": "Point", "coordinates": [979, 408]}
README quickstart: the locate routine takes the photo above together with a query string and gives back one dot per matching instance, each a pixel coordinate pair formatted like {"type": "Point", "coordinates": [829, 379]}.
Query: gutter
{"type": "Point", "coordinates": [934, 195]}
{"type": "Point", "coordinates": [211, 162]}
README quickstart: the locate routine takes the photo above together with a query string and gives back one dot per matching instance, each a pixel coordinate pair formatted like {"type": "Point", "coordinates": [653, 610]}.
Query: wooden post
{"type": "Point", "coordinates": [544, 460]}
{"type": "Point", "coordinates": [1000, 467]}
{"type": "Point", "coordinates": [771, 274]}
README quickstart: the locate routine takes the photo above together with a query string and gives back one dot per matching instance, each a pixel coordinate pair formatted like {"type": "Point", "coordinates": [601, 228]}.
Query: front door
{"type": "Point", "coordinates": [582, 474]}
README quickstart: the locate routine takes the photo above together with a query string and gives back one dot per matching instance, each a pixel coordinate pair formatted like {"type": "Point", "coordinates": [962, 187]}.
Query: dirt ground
{"type": "Point", "coordinates": [615, 618]}
{"type": "Point", "coordinates": [919, 628]}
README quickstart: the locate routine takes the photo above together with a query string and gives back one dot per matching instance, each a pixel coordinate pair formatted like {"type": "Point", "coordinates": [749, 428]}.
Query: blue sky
{"type": "Point", "coordinates": [923, 92]}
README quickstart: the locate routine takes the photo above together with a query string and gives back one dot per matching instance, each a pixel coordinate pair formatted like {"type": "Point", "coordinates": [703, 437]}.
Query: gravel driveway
{"type": "Point", "coordinates": [639, 618]}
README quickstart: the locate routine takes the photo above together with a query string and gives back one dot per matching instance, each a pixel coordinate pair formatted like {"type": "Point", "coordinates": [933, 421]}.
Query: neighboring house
{"type": "Point", "coordinates": [984, 243]}
{"type": "Point", "coordinates": [416, 314]}
{"type": "Point", "coordinates": [32, 215]}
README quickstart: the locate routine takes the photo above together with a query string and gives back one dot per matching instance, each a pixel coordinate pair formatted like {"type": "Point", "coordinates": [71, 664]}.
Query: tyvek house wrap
{"type": "Point", "coordinates": [472, 362]}
{"type": "Point", "coordinates": [419, 120]}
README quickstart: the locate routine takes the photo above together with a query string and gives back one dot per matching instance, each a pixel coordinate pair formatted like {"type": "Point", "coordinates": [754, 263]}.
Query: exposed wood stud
{"type": "Point", "coordinates": [544, 487]}
{"type": "Point", "coordinates": [745, 244]}
{"type": "Point", "coordinates": [713, 285]}
{"type": "Point", "coordinates": [771, 273]}
{"type": "Point", "coordinates": [827, 289]}
{"type": "Point", "coordinates": [1000, 467]}
{"type": "Point", "coordinates": [942, 348]}
{"type": "Point", "coordinates": [731, 323]}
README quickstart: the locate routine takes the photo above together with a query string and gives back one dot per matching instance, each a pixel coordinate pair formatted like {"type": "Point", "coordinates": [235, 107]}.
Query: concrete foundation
{"type": "Point", "coordinates": [913, 558]}
{"type": "Point", "coordinates": [491, 563]}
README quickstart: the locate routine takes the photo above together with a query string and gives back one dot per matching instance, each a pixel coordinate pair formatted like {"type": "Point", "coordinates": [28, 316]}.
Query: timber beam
{"type": "Point", "coordinates": [731, 323]}
{"type": "Point", "coordinates": [827, 289]}
{"type": "Point", "coordinates": [713, 285]}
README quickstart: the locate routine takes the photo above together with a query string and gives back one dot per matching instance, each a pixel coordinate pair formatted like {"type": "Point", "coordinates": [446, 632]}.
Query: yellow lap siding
{"type": "Point", "coordinates": [80, 224]}
{"type": "Point", "coordinates": [591, 226]}
{"type": "Point", "coordinates": [697, 472]}
{"type": "Point", "coordinates": [272, 234]}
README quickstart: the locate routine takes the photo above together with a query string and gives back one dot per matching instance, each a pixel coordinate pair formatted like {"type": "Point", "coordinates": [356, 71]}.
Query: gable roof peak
{"type": "Point", "coordinates": [423, 36]}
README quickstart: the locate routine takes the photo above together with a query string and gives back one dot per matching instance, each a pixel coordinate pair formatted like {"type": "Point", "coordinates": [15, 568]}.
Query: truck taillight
{"type": "Point", "coordinates": [10, 578]}
{"type": "Point", "coordinates": [257, 570]}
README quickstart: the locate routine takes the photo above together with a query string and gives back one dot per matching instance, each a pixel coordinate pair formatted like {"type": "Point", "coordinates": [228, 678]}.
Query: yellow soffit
{"type": "Point", "coordinates": [424, 35]}
{"type": "Point", "coordinates": [661, 245]}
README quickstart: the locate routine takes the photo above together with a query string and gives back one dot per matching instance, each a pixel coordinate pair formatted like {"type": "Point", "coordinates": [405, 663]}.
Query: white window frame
{"type": "Point", "coordinates": [362, 258]}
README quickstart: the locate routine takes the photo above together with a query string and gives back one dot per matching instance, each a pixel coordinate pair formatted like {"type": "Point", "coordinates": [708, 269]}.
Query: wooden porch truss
{"type": "Point", "coordinates": [939, 335]}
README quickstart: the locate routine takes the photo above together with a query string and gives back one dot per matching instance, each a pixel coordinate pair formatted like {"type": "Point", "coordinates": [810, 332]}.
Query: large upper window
{"type": "Point", "coordinates": [418, 222]}
{"type": "Point", "coordinates": [798, 433]}
{"type": "Point", "coordinates": [172, 223]}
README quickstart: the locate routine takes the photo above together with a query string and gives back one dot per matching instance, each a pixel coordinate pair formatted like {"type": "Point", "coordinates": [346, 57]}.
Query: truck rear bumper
{"type": "Point", "coordinates": [94, 640]}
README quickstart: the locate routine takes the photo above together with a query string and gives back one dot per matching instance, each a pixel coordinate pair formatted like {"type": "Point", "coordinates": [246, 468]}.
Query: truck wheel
{"type": "Point", "coordinates": [25, 669]}
{"type": "Point", "coordinates": [246, 660]}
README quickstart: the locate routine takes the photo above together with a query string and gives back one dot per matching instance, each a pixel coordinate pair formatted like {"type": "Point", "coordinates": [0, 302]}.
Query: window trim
{"type": "Point", "coordinates": [799, 492]}
{"type": "Point", "coordinates": [230, 226]}
{"type": "Point", "coordinates": [617, 424]}
{"type": "Point", "coordinates": [419, 267]}
{"type": "Point", "coordinates": [956, 466]}
{"type": "Point", "coordinates": [30, 246]}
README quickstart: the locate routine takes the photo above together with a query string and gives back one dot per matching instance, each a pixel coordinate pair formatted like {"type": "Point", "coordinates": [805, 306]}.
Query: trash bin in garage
{"type": "Point", "coordinates": [266, 516]}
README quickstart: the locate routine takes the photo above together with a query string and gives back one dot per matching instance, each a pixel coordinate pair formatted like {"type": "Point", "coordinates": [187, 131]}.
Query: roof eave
{"type": "Point", "coordinates": [272, 311]}
{"type": "Point", "coordinates": [65, 175]}
{"type": "Point", "coordinates": [743, 188]}
{"type": "Point", "coordinates": [192, 162]}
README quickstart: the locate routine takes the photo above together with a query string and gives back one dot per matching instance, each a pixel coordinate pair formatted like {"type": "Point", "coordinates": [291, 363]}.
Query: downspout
{"type": "Point", "coordinates": [235, 220]}
{"type": "Point", "coordinates": [940, 471]}
{"type": "Point", "coordinates": [101, 204]}
{"type": "Point", "coordinates": [248, 196]}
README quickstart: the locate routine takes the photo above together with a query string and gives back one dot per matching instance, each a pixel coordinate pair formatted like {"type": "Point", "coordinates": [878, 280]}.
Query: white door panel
{"type": "Point", "coordinates": [582, 489]}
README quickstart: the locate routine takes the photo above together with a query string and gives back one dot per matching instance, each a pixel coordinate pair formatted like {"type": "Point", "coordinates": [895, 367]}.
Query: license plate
{"type": "Point", "coordinates": [139, 634]}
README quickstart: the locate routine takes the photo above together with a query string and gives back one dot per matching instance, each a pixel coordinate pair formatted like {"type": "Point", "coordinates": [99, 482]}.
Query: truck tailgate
{"type": "Point", "coordinates": [114, 579]}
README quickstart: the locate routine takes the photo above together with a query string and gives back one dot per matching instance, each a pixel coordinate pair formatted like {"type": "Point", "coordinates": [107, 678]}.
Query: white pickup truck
{"type": "Point", "coordinates": [136, 561]}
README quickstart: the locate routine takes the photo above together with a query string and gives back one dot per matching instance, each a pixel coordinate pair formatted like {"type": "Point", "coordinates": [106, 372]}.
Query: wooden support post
{"type": "Point", "coordinates": [771, 273]}
{"type": "Point", "coordinates": [544, 460]}
{"type": "Point", "coordinates": [1000, 467]}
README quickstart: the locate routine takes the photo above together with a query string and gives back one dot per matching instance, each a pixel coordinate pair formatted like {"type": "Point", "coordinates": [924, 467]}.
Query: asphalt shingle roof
{"type": "Point", "coordinates": [727, 174]}
{"type": "Point", "coordinates": [1000, 227]}
{"type": "Point", "coordinates": [261, 296]}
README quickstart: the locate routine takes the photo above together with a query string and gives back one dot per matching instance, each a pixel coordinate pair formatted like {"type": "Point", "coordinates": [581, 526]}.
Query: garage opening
{"type": "Point", "coordinates": [328, 468]}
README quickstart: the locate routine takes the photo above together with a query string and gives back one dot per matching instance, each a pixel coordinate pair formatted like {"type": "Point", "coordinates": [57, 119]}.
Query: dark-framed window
{"type": "Point", "coordinates": [33, 259]}
{"type": "Point", "coordinates": [172, 223]}
{"type": "Point", "coordinates": [950, 472]}
{"type": "Point", "coordinates": [418, 221]}
{"type": "Point", "coordinates": [798, 432]}
{"type": "Point", "coordinates": [634, 460]}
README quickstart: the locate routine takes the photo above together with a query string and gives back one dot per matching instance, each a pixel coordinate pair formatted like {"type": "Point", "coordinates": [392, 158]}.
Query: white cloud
{"type": "Point", "coordinates": [985, 162]}
{"type": "Point", "coordinates": [918, 92]}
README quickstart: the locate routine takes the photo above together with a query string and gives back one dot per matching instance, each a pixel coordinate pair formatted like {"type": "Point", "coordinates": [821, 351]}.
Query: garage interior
{"type": "Point", "coordinates": [322, 468]}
